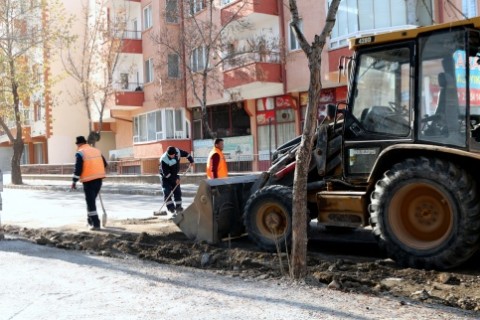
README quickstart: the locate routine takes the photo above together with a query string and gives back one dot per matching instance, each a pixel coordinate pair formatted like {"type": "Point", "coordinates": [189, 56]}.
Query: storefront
{"type": "Point", "coordinates": [250, 145]}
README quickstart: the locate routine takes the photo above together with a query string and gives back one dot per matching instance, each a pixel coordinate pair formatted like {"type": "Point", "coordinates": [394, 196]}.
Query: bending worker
{"type": "Point", "coordinates": [216, 163]}
{"type": "Point", "coordinates": [169, 167]}
{"type": "Point", "coordinates": [90, 170]}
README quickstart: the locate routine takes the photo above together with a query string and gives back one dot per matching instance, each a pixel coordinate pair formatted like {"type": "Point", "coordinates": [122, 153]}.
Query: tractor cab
{"type": "Point", "coordinates": [420, 90]}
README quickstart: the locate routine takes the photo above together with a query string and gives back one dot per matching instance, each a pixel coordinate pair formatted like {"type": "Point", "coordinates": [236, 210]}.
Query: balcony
{"type": "Point", "coordinates": [131, 41]}
{"type": "Point", "coordinates": [255, 77]}
{"type": "Point", "coordinates": [26, 135]}
{"type": "Point", "coordinates": [39, 128]}
{"type": "Point", "coordinates": [251, 11]}
{"type": "Point", "coordinates": [128, 96]}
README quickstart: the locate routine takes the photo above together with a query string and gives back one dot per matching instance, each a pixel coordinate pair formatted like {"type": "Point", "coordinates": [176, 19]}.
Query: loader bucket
{"type": "Point", "coordinates": [216, 211]}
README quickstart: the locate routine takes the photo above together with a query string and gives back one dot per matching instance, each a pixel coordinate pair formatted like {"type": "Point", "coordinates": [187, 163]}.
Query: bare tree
{"type": "Point", "coordinates": [26, 36]}
{"type": "Point", "coordinates": [95, 61]}
{"type": "Point", "coordinates": [206, 47]}
{"type": "Point", "coordinates": [313, 52]}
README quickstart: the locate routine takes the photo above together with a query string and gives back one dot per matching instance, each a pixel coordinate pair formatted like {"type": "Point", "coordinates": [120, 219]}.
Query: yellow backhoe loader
{"type": "Point", "coordinates": [401, 156]}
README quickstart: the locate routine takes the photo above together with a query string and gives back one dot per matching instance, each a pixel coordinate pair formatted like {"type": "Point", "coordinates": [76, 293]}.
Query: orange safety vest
{"type": "Point", "coordinates": [93, 166]}
{"type": "Point", "coordinates": [222, 170]}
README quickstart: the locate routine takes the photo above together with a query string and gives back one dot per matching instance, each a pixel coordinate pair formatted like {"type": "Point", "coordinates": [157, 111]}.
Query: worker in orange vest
{"type": "Point", "coordinates": [216, 163]}
{"type": "Point", "coordinates": [90, 170]}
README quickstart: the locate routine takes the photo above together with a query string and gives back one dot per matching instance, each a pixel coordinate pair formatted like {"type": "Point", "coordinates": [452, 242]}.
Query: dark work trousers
{"type": "Point", "coordinates": [91, 189]}
{"type": "Point", "coordinates": [177, 196]}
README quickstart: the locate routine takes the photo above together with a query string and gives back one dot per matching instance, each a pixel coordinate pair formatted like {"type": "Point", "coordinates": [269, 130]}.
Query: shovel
{"type": "Point", "coordinates": [104, 215]}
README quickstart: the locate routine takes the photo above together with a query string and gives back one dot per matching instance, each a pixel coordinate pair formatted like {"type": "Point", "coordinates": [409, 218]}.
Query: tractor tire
{"type": "Point", "coordinates": [425, 213]}
{"type": "Point", "coordinates": [268, 218]}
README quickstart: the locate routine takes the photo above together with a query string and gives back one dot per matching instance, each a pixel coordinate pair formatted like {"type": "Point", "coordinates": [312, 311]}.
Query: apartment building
{"type": "Point", "coordinates": [18, 32]}
{"type": "Point", "coordinates": [52, 116]}
{"type": "Point", "coordinates": [261, 101]}
{"type": "Point", "coordinates": [257, 103]}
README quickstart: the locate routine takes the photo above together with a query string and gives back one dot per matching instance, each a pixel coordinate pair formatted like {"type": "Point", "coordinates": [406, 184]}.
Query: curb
{"type": "Point", "coordinates": [105, 189]}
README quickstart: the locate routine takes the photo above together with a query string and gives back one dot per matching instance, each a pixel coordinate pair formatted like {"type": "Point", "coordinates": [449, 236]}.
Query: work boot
{"type": "Point", "coordinates": [178, 209]}
{"type": "Point", "coordinates": [94, 222]}
{"type": "Point", "coordinates": [91, 224]}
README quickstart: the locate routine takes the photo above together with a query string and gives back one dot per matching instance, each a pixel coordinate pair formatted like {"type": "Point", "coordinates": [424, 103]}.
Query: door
{"type": "Point", "coordinates": [380, 107]}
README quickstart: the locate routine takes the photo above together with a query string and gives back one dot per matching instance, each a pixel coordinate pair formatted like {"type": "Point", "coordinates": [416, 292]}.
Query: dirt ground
{"type": "Point", "coordinates": [364, 274]}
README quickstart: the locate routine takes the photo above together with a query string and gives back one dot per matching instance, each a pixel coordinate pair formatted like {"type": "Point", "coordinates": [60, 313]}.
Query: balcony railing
{"type": "Point", "coordinates": [250, 57]}
{"type": "Point", "coordinates": [128, 34]}
{"type": "Point", "coordinates": [127, 87]}
{"type": "Point", "coordinates": [134, 167]}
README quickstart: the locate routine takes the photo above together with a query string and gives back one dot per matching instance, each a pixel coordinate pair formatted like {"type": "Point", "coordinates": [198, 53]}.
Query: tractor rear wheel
{"type": "Point", "coordinates": [426, 214]}
{"type": "Point", "coordinates": [268, 217]}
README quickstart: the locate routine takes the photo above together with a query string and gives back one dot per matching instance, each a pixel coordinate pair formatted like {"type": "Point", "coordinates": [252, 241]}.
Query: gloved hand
{"type": "Point", "coordinates": [74, 186]}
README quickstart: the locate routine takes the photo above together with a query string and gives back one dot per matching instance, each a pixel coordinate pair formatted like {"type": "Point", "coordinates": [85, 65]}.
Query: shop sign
{"type": "Point", "coordinates": [235, 149]}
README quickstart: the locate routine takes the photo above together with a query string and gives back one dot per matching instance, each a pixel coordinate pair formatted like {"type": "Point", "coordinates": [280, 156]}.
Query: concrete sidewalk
{"type": "Point", "coordinates": [109, 186]}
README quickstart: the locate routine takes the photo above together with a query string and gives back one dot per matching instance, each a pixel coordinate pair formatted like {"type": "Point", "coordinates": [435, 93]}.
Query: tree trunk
{"type": "Point", "coordinates": [304, 155]}
{"type": "Point", "coordinates": [16, 159]}
{"type": "Point", "coordinates": [207, 133]}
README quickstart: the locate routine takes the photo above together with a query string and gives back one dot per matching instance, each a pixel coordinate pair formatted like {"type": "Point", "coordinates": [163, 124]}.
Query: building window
{"type": "Point", "coordinates": [383, 15]}
{"type": "Point", "coordinates": [136, 34]}
{"type": "Point", "coordinates": [196, 6]}
{"type": "Point", "coordinates": [174, 124]}
{"type": "Point", "coordinates": [469, 8]}
{"type": "Point", "coordinates": [160, 125]}
{"type": "Point", "coordinates": [39, 110]}
{"type": "Point", "coordinates": [173, 63]}
{"type": "Point", "coordinates": [149, 70]}
{"type": "Point", "coordinates": [38, 149]}
{"type": "Point", "coordinates": [293, 42]}
{"type": "Point", "coordinates": [198, 59]}
{"type": "Point", "coordinates": [25, 155]}
{"type": "Point", "coordinates": [275, 123]}
{"type": "Point", "coordinates": [197, 123]}
{"type": "Point", "coordinates": [226, 120]}
{"type": "Point", "coordinates": [147, 17]}
{"type": "Point", "coordinates": [171, 14]}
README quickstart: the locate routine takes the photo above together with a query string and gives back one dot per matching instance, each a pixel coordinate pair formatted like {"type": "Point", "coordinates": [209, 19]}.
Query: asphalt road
{"type": "Point", "coordinates": [55, 209]}
{"type": "Point", "coordinates": [39, 282]}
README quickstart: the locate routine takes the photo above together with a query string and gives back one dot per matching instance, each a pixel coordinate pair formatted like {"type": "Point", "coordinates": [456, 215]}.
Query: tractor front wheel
{"type": "Point", "coordinates": [268, 217]}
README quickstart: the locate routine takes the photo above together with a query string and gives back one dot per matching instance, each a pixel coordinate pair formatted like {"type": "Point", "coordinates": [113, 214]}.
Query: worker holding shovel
{"type": "Point", "coordinates": [169, 168]}
{"type": "Point", "coordinates": [90, 170]}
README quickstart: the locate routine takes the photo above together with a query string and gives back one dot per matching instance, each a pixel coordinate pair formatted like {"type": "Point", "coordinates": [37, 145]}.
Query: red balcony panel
{"type": "Point", "coordinates": [129, 99]}
{"type": "Point", "coordinates": [255, 72]}
{"type": "Point", "coordinates": [26, 134]}
{"type": "Point", "coordinates": [131, 46]}
{"type": "Point", "coordinates": [246, 8]}
{"type": "Point", "coordinates": [106, 126]}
